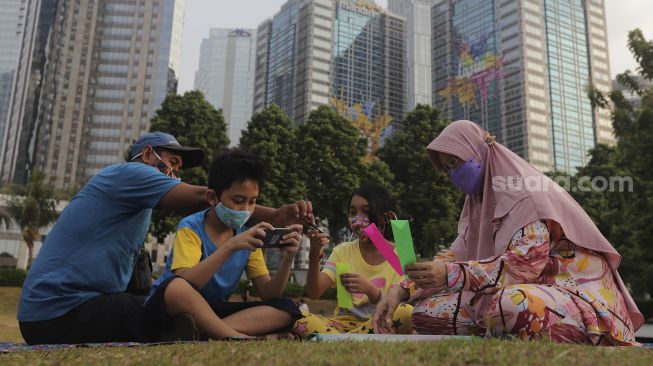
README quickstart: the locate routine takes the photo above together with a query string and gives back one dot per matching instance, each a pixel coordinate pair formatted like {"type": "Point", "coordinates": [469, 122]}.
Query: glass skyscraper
{"type": "Point", "coordinates": [418, 48]}
{"type": "Point", "coordinates": [18, 140]}
{"type": "Point", "coordinates": [569, 72]}
{"type": "Point", "coordinates": [109, 66]}
{"type": "Point", "coordinates": [520, 68]}
{"type": "Point", "coordinates": [226, 75]}
{"type": "Point", "coordinates": [12, 21]}
{"type": "Point", "coordinates": [318, 52]}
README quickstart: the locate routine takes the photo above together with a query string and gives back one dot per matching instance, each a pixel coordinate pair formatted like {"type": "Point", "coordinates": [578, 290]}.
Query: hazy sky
{"type": "Point", "coordinates": [622, 16]}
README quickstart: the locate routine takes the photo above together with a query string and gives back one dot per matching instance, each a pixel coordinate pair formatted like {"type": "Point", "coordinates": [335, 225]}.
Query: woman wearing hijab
{"type": "Point", "coordinates": [528, 261]}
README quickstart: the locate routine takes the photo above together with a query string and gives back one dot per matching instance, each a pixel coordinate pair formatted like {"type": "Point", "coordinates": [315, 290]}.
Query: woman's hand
{"type": "Point", "coordinates": [291, 241]}
{"type": "Point", "coordinates": [385, 310]}
{"type": "Point", "coordinates": [428, 274]}
{"type": "Point", "coordinates": [250, 239]}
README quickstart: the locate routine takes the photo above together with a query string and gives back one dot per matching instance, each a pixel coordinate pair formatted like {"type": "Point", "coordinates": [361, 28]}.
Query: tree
{"type": "Point", "coordinates": [427, 198]}
{"type": "Point", "coordinates": [32, 208]}
{"type": "Point", "coordinates": [625, 217]}
{"type": "Point", "coordinates": [271, 137]}
{"type": "Point", "coordinates": [330, 151]}
{"type": "Point", "coordinates": [194, 122]}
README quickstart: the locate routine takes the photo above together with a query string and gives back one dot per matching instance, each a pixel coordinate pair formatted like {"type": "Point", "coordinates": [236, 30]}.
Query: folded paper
{"type": "Point", "coordinates": [386, 250]}
{"type": "Point", "coordinates": [404, 242]}
{"type": "Point", "coordinates": [344, 297]}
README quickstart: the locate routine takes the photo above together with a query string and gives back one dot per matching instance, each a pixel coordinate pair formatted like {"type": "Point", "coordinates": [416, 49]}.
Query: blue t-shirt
{"type": "Point", "coordinates": [224, 281]}
{"type": "Point", "coordinates": [92, 248]}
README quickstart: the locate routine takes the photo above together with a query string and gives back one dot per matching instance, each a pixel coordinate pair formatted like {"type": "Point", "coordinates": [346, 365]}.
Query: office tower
{"type": "Point", "coordinates": [633, 98]}
{"type": "Point", "coordinates": [18, 133]}
{"type": "Point", "coordinates": [418, 49]}
{"type": "Point", "coordinates": [106, 68]}
{"type": "Point", "coordinates": [226, 75]}
{"type": "Point", "coordinates": [521, 69]}
{"type": "Point", "coordinates": [349, 54]}
{"type": "Point", "coordinates": [12, 20]}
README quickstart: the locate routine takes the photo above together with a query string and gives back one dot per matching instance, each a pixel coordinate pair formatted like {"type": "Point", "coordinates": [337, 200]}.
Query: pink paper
{"type": "Point", "coordinates": [383, 247]}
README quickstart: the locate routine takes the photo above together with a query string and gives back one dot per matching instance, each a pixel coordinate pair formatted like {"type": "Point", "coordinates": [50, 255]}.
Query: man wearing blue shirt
{"type": "Point", "coordinates": [74, 291]}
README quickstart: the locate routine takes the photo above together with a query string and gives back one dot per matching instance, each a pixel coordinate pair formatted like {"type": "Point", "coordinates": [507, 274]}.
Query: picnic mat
{"type": "Point", "coordinates": [385, 337]}
{"type": "Point", "coordinates": [6, 347]}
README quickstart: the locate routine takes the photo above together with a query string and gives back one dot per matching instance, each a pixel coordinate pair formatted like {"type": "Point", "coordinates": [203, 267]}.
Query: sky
{"type": "Point", "coordinates": [201, 15]}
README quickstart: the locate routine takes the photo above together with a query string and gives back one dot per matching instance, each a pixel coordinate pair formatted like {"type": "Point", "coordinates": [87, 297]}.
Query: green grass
{"type": "Point", "coordinates": [477, 352]}
{"type": "Point", "coordinates": [272, 353]}
{"type": "Point", "coordinates": [9, 331]}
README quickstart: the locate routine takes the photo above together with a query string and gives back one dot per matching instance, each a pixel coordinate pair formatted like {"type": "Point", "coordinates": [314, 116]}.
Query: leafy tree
{"type": "Point", "coordinates": [32, 208]}
{"type": "Point", "coordinates": [376, 171]}
{"type": "Point", "coordinates": [625, 217]}
{"type": "Point", "coordinates": [194, 122]}
{"type": "Point", "coordinates": [330, 151]}
{"type": "Point", "coordinates": [271, 137]}
{"type": "Point", "coordinates": [427, 198]}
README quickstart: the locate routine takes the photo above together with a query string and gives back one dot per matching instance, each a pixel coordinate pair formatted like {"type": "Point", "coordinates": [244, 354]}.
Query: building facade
{"type": "Point", "coordinates": [19, 132]}
{"type": "Point", "coordinates": [521, 69]}
{"type": "Point", "coordinates": [107, 66]}
{"type": "Point", "coordinates": [338, 52]}
{"type": "Point", "coordinates": [226, 76]}
{"type": "Point", "coordinates": [12, 21]}
{"type": "Point", "coordinates": [418, 49]}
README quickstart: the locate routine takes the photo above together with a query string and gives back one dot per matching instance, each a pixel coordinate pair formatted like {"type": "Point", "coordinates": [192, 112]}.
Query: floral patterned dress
{"type": "Point", "coordinates": [540, 287]}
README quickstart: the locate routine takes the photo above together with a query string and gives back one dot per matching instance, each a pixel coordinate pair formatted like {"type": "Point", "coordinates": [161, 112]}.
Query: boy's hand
{"type": "Point", "coordinates": [292, 240]}
{"type": "Point", "coordinates": [250, 239]}
{"type": "Point", "coordinates": [355, 283]}
{"type": "Point", "coordinates": [319, 240]}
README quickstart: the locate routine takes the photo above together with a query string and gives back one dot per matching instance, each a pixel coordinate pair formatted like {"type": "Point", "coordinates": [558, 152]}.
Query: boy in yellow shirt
{"type": "Point", "coordinates": [211, 250]}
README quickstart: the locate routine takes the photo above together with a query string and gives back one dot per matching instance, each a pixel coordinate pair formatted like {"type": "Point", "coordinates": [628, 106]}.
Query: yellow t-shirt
{"type": "Point", "coordinates": [381, 275]}
{"type": "Point", "coordinates": [188, 252]}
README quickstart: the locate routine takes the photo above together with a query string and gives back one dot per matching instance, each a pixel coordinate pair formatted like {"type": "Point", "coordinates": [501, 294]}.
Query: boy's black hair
{"type": "Point", "coordinates": [234, 166]}
{"type": "Point", "coordinates": [379, 201]}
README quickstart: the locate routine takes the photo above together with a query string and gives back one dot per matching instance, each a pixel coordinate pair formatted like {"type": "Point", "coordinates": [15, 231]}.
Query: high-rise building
{"type": "Point", "coordinates": [630, 96]}
{"type": "Point", "coordinates": [19, 133]}
{"type": "Point", "coordinates": [109, 66]}
{"type": "Point", "coordinates": [316, 52]}
{"type": "Point", "coordinates": [521, 68]}
{"type": "Point", "coordinates": [226, 75]}
{"type": "Point", "coordinates": [418, 49]}
{"type": "Point", "coordinates": [12, 21]}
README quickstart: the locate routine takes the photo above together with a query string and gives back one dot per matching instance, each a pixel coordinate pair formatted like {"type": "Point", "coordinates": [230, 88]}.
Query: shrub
{"type": "Point", "coordinates": [13, 277]}
{"type": "Point", "coordinates": [646, 307]}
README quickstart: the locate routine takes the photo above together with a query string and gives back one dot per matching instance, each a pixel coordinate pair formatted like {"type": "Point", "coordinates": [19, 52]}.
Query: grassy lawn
{"type": "Point", "coordinates": [476, 352]}
{"type": "Point", "coordinates": [9, 331]}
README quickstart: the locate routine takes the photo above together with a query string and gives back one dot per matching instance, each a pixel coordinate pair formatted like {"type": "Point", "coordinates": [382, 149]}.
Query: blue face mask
{"type": "Point", "coordinates": [232, 218]}
{"type": "Point", "coordinates": [468, 177]}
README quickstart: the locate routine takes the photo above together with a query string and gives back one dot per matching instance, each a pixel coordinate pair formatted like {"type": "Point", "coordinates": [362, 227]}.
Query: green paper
{"type": "Point", "coordinates": [344, 297]}
{"type": "Point", "coordinates": [404, 242]}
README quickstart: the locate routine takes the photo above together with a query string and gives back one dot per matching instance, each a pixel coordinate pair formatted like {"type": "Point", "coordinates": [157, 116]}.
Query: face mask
{"type": "Point", "coordinates": [232, 218]}
{"type": "Point", "coordinates": [165, 169]}
{"type": "Point", "coordinates": [358, 223]}
{"type": "Point", "coordinates": [468, 177]}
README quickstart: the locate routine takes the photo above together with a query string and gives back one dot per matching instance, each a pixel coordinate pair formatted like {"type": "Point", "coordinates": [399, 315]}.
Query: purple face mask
{"type": "Point", "coordinates": [468, 177]}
